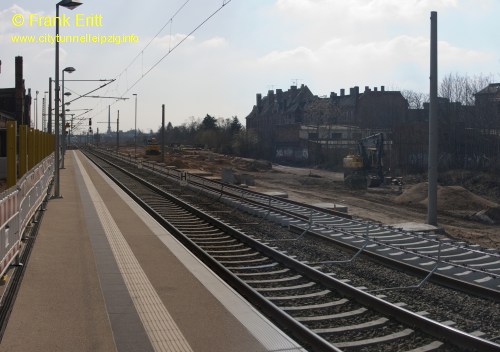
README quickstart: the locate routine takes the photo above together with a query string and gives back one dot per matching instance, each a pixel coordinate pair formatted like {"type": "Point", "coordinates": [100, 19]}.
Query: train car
{"type": "Point", "coordinates": [152, 147]}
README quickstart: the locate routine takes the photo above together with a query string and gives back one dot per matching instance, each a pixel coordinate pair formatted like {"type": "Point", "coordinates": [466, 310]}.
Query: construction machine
{"type": "Point", "coordinates": [365, 168]}
{"type": "Point", "coordinates": [152, 147]}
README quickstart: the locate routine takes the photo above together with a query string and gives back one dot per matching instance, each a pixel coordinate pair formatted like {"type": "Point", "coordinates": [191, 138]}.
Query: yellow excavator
{"type": "Point", "coordinates": [365, 167]}
{"type": "Point", "coordinates": [152, 147]}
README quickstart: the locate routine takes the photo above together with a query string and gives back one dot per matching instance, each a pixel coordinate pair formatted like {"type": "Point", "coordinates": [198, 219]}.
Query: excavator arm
{"type": "Point", "coordinates": [366, 168]}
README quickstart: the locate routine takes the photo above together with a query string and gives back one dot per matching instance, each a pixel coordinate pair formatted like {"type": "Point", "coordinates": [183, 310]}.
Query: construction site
{"type": "Point", "coordinates": [468, 202]}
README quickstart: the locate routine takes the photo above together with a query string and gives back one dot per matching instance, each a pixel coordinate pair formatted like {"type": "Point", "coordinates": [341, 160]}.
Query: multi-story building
{"type": "Point", "coordinates": [15, 104]}
{"type": "Point", "coordinates": [488, 106]}
{"type": "Point", "coordinates": [297, 126]}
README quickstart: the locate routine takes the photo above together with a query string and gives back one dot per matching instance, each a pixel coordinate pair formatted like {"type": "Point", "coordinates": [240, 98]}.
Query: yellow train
{"type": "Point", "coordinates": [152, 147]}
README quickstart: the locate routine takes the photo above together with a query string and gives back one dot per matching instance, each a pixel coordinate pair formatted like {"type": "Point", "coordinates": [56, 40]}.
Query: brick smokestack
{"type": "Point", "coordinates": [19, 91]}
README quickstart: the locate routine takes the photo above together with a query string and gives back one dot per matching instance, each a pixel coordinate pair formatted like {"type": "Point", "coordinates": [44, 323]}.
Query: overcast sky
{"type": "Point", "coordinates": [248, 47]}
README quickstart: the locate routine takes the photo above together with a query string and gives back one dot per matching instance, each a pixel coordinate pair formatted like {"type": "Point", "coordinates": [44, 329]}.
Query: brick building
{"type": "Point", "coordinates": [488, 106]}
{"type": "Point", "coordinates": [297, 126]}
{"type": "Point", "coordinates": [15, 104]}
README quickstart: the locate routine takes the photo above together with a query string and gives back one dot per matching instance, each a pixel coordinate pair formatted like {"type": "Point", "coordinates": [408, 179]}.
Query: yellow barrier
{"type": "Point", "coordinates": [23, 150]}
{"type": "Point", "coordinates": [31, 148]}
{"type": "Point", "coordinates": [34, 146]}
{"type": "Point", "coordinates": [11, 153]}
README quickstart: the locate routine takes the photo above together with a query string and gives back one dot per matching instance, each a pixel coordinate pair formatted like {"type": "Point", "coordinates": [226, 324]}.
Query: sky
{"type": "Point", "coordinates": [247, 47]}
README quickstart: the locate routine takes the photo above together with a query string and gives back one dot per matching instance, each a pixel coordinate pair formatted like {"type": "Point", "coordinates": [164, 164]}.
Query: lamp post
{"type": "Point", "coordinates": [68, 143]}
{"type": "Point", "coordinates": [135, 128]}
{"type": "Point", "coordinates": [118, 133]}
{"type": "Point", "coordinates": [69, 4]}
{"type": "Point", "coordinates": [69, 70]}
{"type": "Point", "coordinates": [36, 110]}
{"type": "Point", "coordinates": [49, 115]}
{"type": "Point", "coordinates": [44, 112]}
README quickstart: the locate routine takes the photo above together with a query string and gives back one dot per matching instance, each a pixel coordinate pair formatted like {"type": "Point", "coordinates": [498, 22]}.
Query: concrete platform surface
{"type": "Point", "coordinates": [104, 276]}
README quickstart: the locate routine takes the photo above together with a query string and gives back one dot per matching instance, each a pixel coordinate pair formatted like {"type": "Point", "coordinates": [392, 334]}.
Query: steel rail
{"type": "Point", "coordinates": [461, 285]}
{"type": "Point", "coordinates": [285, 321]}
{"type": "Point", "coordinates": [433, 328]}
{"type": "Point", "coordinates": [437, 278]}
{"type": "Point", "coordinates": [203, 183]}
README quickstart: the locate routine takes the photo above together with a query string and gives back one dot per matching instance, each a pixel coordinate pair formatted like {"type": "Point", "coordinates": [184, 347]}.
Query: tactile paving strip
{"type": "Point", "coordinates": [159, 325]}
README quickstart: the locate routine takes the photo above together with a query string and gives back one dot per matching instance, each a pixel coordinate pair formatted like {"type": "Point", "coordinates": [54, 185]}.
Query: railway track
{"type": "Point", "coordinates": [459, 265]}
{"type": "Point", "coordinates": [322, 312]}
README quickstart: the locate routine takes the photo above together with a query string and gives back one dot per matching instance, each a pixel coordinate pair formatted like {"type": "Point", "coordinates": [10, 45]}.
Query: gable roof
{"type": "Point", "coordinates": [492, 88]}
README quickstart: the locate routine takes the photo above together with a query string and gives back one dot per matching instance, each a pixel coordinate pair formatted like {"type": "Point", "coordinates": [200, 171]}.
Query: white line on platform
{"type": "Point", "coordinates": [268, 334]}
{"type": "Point", "coordinates": [158, 323]}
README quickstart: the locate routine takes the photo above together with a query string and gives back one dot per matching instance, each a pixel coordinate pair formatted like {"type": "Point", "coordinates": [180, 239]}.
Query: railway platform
{"type": "Point", "coordinates": [104, 276]}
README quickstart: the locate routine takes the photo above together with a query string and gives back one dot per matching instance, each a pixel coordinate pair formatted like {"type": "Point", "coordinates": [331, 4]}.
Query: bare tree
{"type": "Point", "coordinates": [462, 89]}
{"type": "Point", "coordinates": [415, 100]}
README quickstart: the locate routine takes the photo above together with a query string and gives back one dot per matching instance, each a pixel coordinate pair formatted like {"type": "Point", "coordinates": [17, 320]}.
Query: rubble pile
{"type": "Point", "coordinates": [450, 198]}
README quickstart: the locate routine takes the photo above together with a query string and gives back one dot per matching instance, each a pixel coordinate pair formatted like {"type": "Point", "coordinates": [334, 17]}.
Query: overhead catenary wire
{"type": "Point", "coordinates": [224, 3]}
{"type": "Point", "coordinates": [92, 91]}
{"type": "Point", "coordinates": [141, 53]}
{"type": "Point", "coordinates": [170, 50]}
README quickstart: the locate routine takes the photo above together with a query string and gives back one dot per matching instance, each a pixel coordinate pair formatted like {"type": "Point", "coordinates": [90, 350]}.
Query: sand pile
{"type": "Point", "coordinates": [449, 198]}
{"type": "Point", "coordinates": [251, 164]}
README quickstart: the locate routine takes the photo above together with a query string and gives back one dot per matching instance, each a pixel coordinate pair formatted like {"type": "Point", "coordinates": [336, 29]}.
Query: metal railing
{"type": "Point", "coordinates": [18, 204]}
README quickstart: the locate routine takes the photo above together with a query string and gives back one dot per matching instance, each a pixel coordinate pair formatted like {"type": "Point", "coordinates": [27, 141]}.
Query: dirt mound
{"type": "Point", "coordinates": [251, 164]}
{"type": "Point", "coordinates": [449, 198]}
{"type": "Point", "coordinates": [480, 183]}
{"type": "Point", "coordinates": [413, 195]}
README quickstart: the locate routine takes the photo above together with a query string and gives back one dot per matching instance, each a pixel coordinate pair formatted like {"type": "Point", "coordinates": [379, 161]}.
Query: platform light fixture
{"type": "Point", "coordinates": [71, 5]}
{"type": "Point", "coordinates": [68, 70]}
{"type": "Point", "coordinates": [135, 128]}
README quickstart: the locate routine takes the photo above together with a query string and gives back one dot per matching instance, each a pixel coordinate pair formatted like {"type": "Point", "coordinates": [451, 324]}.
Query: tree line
{"type": "Point", "coordinates": [455, 87]}
{"type": "Point", "coordinates": [222, 135]}
{"type": "Point", "coordinates": [229, 136]}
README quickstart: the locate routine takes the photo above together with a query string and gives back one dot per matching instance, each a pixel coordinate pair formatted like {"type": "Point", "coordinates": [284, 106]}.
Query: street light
{"type": "Point", "coordinates": [69, 5]}
{"type": "Point", "coordinates": [68, 143]}
{"type": "Point", "coordinates": [44, 111]}
{"type": "Point", "coordinates": [135, 129]}
{"type": "Point", "coordinates": [69, 70]}
{"type": "Point", "coordinates": [36, 110]}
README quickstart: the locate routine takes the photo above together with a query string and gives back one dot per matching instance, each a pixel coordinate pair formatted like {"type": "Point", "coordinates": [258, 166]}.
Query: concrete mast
{"type": "Point", "coordinates": [109, 120]}
{"type": "Point", "coordinates": [433, 127]}
{"type": "Point", "coordinates": [163, 133]}
{"type": "Point", "coordinates": [118, 133]}
{"type": "Point", "coordinates": [49, 123]}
